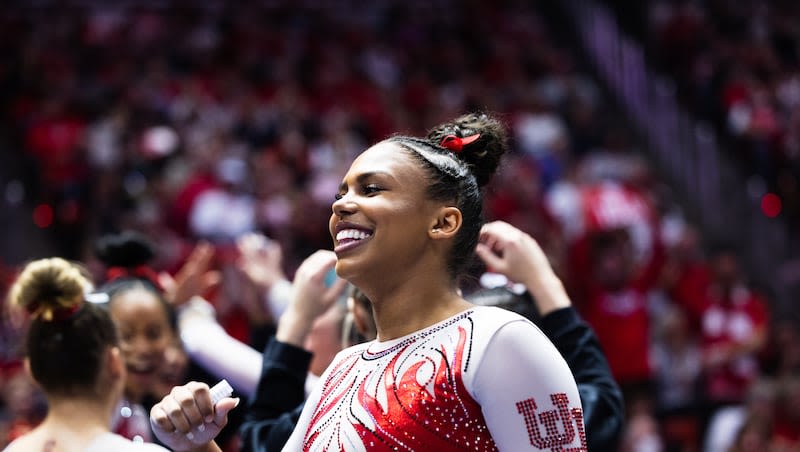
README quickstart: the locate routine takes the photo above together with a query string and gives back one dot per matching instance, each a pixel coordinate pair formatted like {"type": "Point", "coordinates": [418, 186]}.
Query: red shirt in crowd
{"type": "Point", "coordinates": [620, 320]}
{"type": "Point", "coordinates": [730, 323]}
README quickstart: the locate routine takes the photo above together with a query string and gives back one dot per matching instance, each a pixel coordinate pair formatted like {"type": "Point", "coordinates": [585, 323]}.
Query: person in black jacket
{"type": "Point", "coordinates": [278, 401]}
{"type": "Point", "coordinates": [276, 406]}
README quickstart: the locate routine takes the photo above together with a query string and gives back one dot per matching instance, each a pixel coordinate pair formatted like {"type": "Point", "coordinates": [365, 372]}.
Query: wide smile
{"type": "Point", "coordinates": [141, 369]}
{"type": "Point", "coordinates": [350, 238]}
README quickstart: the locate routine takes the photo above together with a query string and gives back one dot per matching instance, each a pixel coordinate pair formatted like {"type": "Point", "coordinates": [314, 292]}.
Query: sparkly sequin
{"type": "Point", "coordinates": [413, 399]}
{"type": "Point", "coordinates": [416, 394]}
{"type": "Point", "coordinates": [558, 424]}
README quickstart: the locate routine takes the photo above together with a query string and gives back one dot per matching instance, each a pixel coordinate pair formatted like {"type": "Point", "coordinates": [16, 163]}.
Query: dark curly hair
{"type": "Point", "coordinates": [127, 251]}
{"type": "Point", "coordinates": [459, 175]}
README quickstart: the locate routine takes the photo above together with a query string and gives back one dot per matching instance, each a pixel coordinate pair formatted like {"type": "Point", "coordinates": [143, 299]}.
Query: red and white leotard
{"type": "Point", "coordinates": [484, 379]}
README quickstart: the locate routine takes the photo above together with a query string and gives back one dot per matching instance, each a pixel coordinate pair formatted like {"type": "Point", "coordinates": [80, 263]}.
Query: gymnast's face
{"type": "Point", "coordinates": [382, 214]}
{"type": "Point", "coordinates": [145, 333]}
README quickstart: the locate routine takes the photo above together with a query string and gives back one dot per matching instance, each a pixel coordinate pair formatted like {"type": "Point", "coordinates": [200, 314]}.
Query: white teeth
{"type": "Point", "coordinates": [353, 234]}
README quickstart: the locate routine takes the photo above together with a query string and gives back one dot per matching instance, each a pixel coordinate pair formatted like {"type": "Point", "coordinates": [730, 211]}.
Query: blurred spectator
{"type": "Point", "coordinates": [781, 354]}
{"type": "Point", "coordinates": [734, 328]}
{"type": "Point", "coordinates": [641, 430]}
{"type": "Point", "coordinates": [615, 297]}
{"type": "Point", "coordinates": [753, 435]}
{"type": "Point", "coordinates": [677, 368]}
{"type": "Point", "coordinates": [227, 211]}
{"type": "Point", "coordinates": [542, 134]}
{"type": "Point", "coordinates": [786, 434]}
{"type": "Point", "coordinates": [615, 261]}
{"type": "Point", "coordinates": [614, 160]}
{"type": "Point", "coordinates": [688, 274]}
{"type": "Point", "coordinates": [745, 424]}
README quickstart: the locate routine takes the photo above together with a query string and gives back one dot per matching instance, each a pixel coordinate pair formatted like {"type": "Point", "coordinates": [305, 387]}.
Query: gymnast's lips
{"type": "Point", "coordinates": [350, 236]}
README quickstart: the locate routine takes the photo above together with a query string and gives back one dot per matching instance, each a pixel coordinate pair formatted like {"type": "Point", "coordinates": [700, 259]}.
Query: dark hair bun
{"type": "Point", "coordinates": [482, 155]}
{"type": "Point", "coordinates": [126, 249]}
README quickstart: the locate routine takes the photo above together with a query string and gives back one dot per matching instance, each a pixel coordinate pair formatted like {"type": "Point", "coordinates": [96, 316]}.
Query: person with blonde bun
{"type": "Point", "coordinates": [73, 354]}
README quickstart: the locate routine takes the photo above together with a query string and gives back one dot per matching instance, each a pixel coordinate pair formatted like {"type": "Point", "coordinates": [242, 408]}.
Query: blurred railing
{"type": "Point", "coordinates": [686, 151]}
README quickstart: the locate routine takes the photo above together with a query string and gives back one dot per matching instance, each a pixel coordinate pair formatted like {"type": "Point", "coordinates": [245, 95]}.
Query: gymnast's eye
{"type": "Point", "coordinates": [371, 189]}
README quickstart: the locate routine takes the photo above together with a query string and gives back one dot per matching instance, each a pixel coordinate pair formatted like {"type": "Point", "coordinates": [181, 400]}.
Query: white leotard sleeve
{"type": "Point", "coordinates": [523, 383]}
{"type": "Point", "coordinates": [422, 385]}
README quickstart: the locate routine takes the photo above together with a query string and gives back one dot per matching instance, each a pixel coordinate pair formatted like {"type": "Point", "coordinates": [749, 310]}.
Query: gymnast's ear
{"type": "Point", "coordinates": [446, 224]}
{"type": "Point", "coordinates": [116, 363]}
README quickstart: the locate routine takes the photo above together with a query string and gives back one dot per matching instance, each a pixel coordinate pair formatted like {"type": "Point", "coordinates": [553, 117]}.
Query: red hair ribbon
{"type": "Point", "coordinates": [456, 144]}
{"type": "Point", "coordinates": [140, 272]}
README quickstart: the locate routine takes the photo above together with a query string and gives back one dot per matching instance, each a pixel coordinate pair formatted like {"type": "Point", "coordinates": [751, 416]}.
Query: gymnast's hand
{"type": "Point", "coordinates": [185, 419]}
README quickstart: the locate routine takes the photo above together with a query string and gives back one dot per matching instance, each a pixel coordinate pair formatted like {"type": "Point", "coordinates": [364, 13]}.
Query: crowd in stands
{"type": "Point", "coordinates": [737, 64]}
{"type": "Point", "coordinates": [207, 122]}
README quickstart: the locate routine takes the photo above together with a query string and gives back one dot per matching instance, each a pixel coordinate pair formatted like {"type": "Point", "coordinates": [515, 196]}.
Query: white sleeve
{"type": "Point", "coordinates": [210, 346]}
{"type": "Point", "coordinates": [205, 213]}
{"type": "Point", "coordinates": [278, 297]}
{"type": "Point", "coordinates": [527, 393]}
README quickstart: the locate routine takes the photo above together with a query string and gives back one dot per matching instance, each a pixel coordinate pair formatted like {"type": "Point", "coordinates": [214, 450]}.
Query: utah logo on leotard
{"type": "Point", "coordinates": [554, 438]}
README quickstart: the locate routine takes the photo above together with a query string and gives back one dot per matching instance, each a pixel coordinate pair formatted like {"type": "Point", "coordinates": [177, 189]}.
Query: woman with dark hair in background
{"type": "Point", "coordinates": [73, 353]}
{"type": "Point", "coordinates": [145, 322]}
{"type": "Point", "coordinates": [141, 302]}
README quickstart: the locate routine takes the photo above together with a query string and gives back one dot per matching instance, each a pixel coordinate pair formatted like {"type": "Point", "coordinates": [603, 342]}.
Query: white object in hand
{"type": "Point", "coordinates": [220, 390]}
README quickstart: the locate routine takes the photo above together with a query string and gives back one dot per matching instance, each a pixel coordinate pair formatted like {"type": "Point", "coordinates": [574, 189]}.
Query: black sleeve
{"type": "Point", "coordinates": [603, 409]}
{"type": "Point", "coordinates": [274, 409]}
